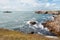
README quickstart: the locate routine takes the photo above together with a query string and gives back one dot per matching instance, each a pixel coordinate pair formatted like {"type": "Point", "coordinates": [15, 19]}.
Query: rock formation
{"type": "Point", "coordinates": [53, 26]}
{"type": "Point", "coordinates": [48, 12]}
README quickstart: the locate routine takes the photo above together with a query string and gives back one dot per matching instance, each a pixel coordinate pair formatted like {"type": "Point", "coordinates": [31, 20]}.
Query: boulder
{"type": "Point", "coordinates": [53, 27]}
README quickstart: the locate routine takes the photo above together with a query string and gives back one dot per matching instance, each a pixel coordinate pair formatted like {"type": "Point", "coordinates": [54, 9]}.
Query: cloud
{"type": "Point", "coordinates": [18, 4]}
{"type": "Point", "coordinates": [50, 5]}
{"type": "Point", "coordinates": [21, 5]}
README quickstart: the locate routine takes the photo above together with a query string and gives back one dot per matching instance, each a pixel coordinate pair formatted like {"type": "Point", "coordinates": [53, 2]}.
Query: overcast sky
{"type": "Point", "coordinates": [27, 5]}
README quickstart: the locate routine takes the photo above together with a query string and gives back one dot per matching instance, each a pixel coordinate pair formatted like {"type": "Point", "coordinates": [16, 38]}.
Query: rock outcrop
{"type": "Point", "coordinates": [48, 12]}
{"type": "Point", "coordinates": [53, 26]}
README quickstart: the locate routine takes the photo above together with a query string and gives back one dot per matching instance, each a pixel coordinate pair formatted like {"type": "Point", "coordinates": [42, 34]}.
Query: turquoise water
{"type": "Point", "coordinates": [19, 18]}
{"type": "Point", "coordinates": [17, 21]}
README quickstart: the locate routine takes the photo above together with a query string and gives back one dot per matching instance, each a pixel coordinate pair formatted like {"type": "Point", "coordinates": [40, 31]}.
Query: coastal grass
{"type": "Point", "coordinates": [6, 34]}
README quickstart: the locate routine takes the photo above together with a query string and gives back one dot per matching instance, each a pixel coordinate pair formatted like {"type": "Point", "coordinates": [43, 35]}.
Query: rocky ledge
{"type": "Point", "coordinates": [53, 26]}
{"type": "Point", "coordinates": [48, 12]}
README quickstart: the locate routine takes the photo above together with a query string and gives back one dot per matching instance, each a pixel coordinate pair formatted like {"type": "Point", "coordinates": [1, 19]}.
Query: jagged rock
{"type": "Point", "coordinates": [32, 23]}
{"type": "Point", "coordinates": [53, 27]}
{"type": "Point", "coordinates": [48, 12]}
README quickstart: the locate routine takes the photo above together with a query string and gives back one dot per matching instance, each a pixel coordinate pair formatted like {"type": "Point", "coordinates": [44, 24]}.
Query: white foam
{"type": "Point", "coordinates": [51, 37]}
{"type": "Point", "coordinates": [46, 29]}
{"type": "Point", "coordinates": [28, 22]}
{"type": "Point", "coordinates": [37, 25]}
{"type": "Point", "coordinates": [40, 33]}
{"type": "Point", "coordinates": [40, 26]}
{"type": "Point", "coordinates": [51, 17]}
{"type": "Point", "coordinates": [32, 20]}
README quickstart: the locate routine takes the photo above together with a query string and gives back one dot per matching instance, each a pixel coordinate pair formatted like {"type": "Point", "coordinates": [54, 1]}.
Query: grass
{"type": "Point", "coordinates": [6, 34]}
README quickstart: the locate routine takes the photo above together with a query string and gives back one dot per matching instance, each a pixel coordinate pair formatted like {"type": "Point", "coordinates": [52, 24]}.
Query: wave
{"type": "Point", "coordinates": [37, 28]}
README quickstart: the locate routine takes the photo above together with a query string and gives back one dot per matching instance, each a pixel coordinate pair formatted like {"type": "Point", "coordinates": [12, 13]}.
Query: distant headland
{"type": "Point", "coordinates": [7, 11]}
{"type": "Point", "coordinates": [48, 12]}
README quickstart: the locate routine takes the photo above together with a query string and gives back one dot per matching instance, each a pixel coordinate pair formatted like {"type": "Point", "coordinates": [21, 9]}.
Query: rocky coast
{"type": "Point", "coordinates": [53, 26]}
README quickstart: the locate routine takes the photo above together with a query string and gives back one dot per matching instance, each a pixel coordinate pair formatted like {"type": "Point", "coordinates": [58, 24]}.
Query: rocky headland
{"type": "Point", "coordinates": [53, 26]}
{"type": "Point", "coordinates": [48, 12]}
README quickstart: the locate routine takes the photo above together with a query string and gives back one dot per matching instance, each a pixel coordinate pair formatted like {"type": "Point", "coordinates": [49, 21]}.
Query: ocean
{"type": "Point", "coordinates": [16, 20]}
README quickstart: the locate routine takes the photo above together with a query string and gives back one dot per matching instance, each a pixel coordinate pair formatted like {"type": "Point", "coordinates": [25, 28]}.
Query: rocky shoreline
{"type": "Point", "coordinates": [48, 12]}
{"type": "Point", "coordinates": [53, 26]}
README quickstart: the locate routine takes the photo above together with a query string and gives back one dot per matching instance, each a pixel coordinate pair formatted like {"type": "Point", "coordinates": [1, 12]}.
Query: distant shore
{"type": "Point", "coordinates": [48, 12]}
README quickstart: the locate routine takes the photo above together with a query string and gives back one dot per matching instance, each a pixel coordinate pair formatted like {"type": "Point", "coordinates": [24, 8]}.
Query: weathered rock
{"type": "Point", "coordinates": [53, 12]}
{"type": "Point", "coordinates": [53, 26]}
{"type": "Point", "coordinates": [32, 23]}
{"type": "Point", "coordinates": [48, 12]}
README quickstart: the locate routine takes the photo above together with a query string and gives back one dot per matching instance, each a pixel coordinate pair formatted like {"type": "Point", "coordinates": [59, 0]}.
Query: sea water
{"type": "Point", "coordinates": [16, 20]}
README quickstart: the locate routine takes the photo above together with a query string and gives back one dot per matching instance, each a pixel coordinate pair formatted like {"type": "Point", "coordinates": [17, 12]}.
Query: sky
{"type": "Point", "coordinates": [29, 5]}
